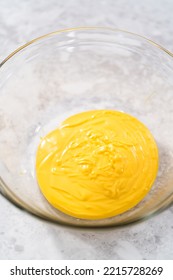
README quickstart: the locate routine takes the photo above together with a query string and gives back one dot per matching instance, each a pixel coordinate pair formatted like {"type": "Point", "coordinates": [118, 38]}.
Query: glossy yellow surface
{"type": "Point", "coordinates": [97, 164]}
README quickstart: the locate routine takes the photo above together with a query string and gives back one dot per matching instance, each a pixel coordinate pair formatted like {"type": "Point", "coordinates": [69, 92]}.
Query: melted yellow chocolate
{"type": "Point", "coordinates": [97, 164]}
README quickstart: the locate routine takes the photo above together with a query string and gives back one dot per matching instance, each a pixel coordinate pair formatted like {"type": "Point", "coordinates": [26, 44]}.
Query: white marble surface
{"type": "Point", "coordinates": [25, 237]}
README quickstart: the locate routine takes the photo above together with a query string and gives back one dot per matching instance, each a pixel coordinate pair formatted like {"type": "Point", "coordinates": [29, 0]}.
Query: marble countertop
{"type": "Point", "coordinates": [23, 236]}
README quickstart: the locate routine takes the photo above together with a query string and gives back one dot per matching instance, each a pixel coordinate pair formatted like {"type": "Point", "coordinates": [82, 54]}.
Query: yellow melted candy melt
{"type": "Point", "coordinates": [97, 164]}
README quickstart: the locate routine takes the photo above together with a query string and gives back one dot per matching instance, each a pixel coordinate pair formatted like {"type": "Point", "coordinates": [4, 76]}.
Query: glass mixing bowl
{"type": "Point", "coordinates": [69, 71]}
